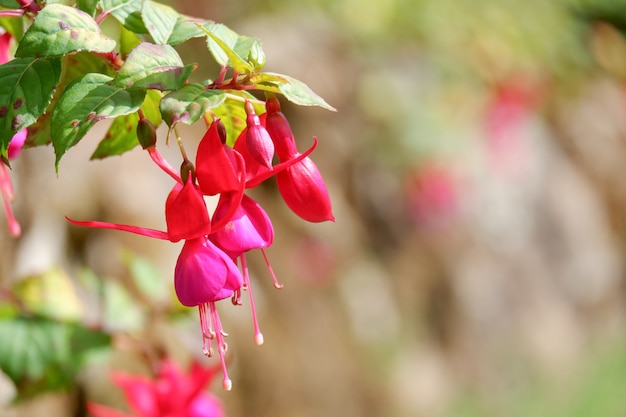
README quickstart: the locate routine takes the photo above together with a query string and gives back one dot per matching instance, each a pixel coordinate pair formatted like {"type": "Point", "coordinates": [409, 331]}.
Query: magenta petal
{"type": "Point", "coordinates": [204, 273]}
{"type": "Point", "coordinates": [186, 213]}
{"type": "Point", "coordinates": [249, 228]}
{"type": "Point", "coordinates": [17, 143]}
{"type": "Point", "coordinates": [280, 131]}
{"type": "Point", "coordinates": [253, 168]}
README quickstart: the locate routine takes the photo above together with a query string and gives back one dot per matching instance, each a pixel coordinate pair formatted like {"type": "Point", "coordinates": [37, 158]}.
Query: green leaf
{"type": "Point", "coordinates": [188, 104]}
{"type": "Point", "coordinates": [76, 66]}
{"type": "Point", "coordinates": [59, 30]}
{"type": "Point", "coordinates": [88, 6]}
{"type": "Point", "coordinates": [42, 355]}
{"type": "Point", "coordinates": [152, 66]}
{"type": "Point", "coordinates": [127, 12]}
{"type": "Point", "coordinates": [14, 26]}
{"type": "Point", "coordinates": [120, 138]}
{"type": "Point", "coordinates": [233, 114]}
{"type": "Point", "coordinates": [294, 90]}
{"type": "Point", "coordinates": [85, 102]}
{"type": "Point", "coordinates": [160, 20]}
{"type": "Point", "coordinates": [187, 28]}
{"type": "Point", "coordinates": [10, 4]}
{"type": "Point", "coordinates": [221, 42]}
{"type": "Point", "coordinates": [25, 91]}
{"type": "Point", "coordinates": [146, 277]}
{"type": "Point", "coordinates": [250, 50]}
{"type": "Point", "coordinates": [51, 294]}
{"type": "Point", "coordinates": [150, 107]}
{"type": "Point", "coordinates": [128, 41]}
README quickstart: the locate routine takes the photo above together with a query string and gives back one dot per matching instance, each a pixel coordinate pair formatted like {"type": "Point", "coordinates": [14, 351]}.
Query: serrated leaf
{"type": "Point", "coordinates": [187, 28]}
{"type": "Point", "coordinates": [76, 65]}
{"type": "Point", "coordinates": [25, 91]}
{"type": "Point", "coordinates": [294, 90]}
{"type": "Point", "coordinates": [85, 102]}
{"type": "Point", "coordinates": [128, 41]}
{"type": "Point", "coordinates": [233, 114]}
{"type": "Point", "coordinates": [127, 12]}
{"type": "Point", "coordinates": [120, 138]}
{"type": "Point", "coordinates": [188, 104]}
{"type": "Point", "coordinates": [122, 134]}
{"type": "Point", "coordinates": [153, 66]}
{"type": "Point", "coordinates": [250, 50]}
{"type": "Point", "coordinates": [221, 42]}
{"type": "Point", "coordinates": [88, 6]}
{"type": "Point", "coordinates": [59, 30]}
{"type": "Point", "coordinates": [160, 20]}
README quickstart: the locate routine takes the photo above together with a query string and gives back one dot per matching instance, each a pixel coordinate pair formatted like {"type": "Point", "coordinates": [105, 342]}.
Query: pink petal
{"type": "Point", "coordinates": [186, 213]}
{"type": "Point", "coordinates": [215, 164]}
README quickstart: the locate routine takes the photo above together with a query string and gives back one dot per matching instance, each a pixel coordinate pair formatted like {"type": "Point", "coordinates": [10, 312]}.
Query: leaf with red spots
{"type": "Point", "coordinates": [86, 101]}
{"type": "Point", "coordinates": [150, 66]}
{"type": "Point", "coordinates": [59, 30]}
{"type": "Point", "coordinates": [25, 91]}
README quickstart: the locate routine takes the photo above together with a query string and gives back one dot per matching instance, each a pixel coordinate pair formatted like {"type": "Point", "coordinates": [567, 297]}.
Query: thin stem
{"type": "Point", "coordinates": [12, 13]}
{"type": "Point", "coordinates": [180, 144]}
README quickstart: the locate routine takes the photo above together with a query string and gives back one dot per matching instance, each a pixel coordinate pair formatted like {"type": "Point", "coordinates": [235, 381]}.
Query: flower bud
{"type": "Point", "coordinates": [258, 141]}
{"type": "Point", "coordinates": [302, 187]}
{"type": "Point", "coordinates": [280, 131]}
{"type": "Point", "coordinates": [146, 133]}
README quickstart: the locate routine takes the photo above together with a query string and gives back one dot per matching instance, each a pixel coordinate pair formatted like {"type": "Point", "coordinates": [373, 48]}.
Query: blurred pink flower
{"type": "Point", "coordinates": [172, 393]}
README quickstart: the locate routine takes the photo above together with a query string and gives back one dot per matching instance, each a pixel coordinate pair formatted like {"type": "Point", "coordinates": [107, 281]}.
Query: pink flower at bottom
{"type": "Point", "coordinates": [172, 393]}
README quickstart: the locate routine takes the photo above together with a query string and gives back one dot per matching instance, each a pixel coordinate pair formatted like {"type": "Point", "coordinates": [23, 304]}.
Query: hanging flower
{"type": "Point", "coordinates": [172, 393]}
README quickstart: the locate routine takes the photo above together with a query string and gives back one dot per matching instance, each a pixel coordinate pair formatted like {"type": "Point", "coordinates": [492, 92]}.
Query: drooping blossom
{"type": "Point", "coordinates": [206, 269]}
{"type": "Point", "coordinates": [301, 184]}
{"type": "Point", "coordinates": [173, 393]}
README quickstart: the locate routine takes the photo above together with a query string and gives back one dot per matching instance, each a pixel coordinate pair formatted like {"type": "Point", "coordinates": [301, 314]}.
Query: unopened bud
{"type": "Point", "coordinates": [146, 133]}
{"type": "Point", "coordinates": [187, 168]}
{"type": "Point", "coordinates": [258, 141]}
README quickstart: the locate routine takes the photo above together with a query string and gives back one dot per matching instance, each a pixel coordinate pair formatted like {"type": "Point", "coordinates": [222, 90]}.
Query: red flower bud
{"type": "Point", "coordinates": [258, 141]}
{"type": "Point", "coordinates": [280, 131]}
{"type": "Point", "coordinates": [304, 191]}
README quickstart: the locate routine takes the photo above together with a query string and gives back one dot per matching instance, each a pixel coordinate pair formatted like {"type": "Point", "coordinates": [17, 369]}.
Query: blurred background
{"type": "Point", "coordinates": [476, 166]}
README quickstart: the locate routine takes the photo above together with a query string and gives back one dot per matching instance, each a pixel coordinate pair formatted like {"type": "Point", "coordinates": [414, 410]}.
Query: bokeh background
{"type": "Point", "coordinates": [476, 266]}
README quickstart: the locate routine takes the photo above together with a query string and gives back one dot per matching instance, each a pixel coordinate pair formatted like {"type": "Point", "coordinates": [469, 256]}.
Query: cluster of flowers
{"type": "Point", "coordinates": [173, 393]}
{"type": "Point", "coordinates": [207, 270]}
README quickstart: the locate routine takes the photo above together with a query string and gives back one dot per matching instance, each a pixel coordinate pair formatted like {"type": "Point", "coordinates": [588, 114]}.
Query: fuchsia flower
{"type": "Point", "coordinates": [206, 269]}
{"type": "Point", "coordinates": [172, 394]}
{"type": "Point", "coordinates": [301, 184]}
{"type": "Point", "coordinates": [15, 148]}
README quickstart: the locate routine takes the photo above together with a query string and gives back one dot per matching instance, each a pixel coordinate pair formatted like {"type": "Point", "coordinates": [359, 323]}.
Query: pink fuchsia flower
{"type": "Point", "coordinates": [280, 131]}
{"type": "Point", "coordinates": [171, 394]}
{"type": "Point", "coordinates": [186, 212]}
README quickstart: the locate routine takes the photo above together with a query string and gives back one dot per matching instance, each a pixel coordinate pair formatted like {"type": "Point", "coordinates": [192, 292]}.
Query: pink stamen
{"type": "Point", "coordinates": [277, 284]}
{"type": "Point", "coordinates": [163, 164]}
{"type": "Point", "coordinates": [222, 347]}
{"type": "Point", "coordinates": [258, 336]}
{"type": "Point", "coordinates": [206, 327]}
